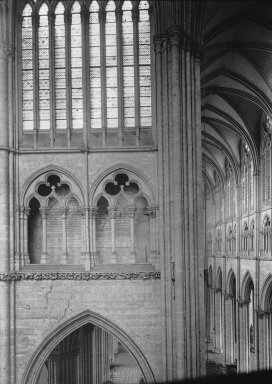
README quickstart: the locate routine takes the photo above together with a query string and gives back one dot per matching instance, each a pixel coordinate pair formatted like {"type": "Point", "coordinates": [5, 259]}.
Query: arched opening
{"type": "Point", "coordinates": [35, 231]}
{"type": "Point", "coordinates": [71, 347]}
{"type": "Point", "coordinates": [90, 355]}
{"type": "Point", "coordinates": [247, 326]}
{"type": "Point", "coordinates": [231, 321]}
{"type": "Point", "coordinates": [218, 313]}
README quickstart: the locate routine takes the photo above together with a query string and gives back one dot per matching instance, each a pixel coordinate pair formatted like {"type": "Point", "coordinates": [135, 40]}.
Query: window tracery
{"type": "Point", "coordinates": [125, 221]}
{"type": "Point", "coordinates": [114, 58]}
{"type": "Point", "coordinates": [247, 181]}
{"type": "Point", "coordinates": [266, 169]}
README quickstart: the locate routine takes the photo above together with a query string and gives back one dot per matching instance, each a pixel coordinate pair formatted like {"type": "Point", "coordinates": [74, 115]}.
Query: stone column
{"type": "Point", "coordinates": [21, 251]}
{"type": "Point", "coordinates": [92, 234]}
{"type": "Point", "coordinates": [5, 358]}
{"type": "Point", "coordinates": [44, 256]}
{"type": "Point", "coordinates": [26, 254]}
{"type": "Point", "coordinates": [152, 212]}
{"type": "Point", "coordinates": [86, 253]}
{"type": "Point", "coordinates": [131, 212]}
{"type": "Point", "coordinates": [64, 255]}
{"type": "Point", "coordinates": [112, 212]}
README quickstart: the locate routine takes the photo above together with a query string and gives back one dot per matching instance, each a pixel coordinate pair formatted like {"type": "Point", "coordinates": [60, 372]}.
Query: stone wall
{"type": "Point", "coordinates": [133, 305]}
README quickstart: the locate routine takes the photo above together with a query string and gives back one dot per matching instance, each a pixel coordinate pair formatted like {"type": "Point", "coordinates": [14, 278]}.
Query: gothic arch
{"type": "Point", "coordinates": [219, 281]}
{"type": "Point", "coordinates": [121, 168]}
{"type": "Point", "coordinates": [266, 293]}
{"type": "Point", "coordinates": [41, 354]}
{"type": "Point", "coordinates": [231, 279]}
{"type": "Point", "coordinates": [50, 169]}
{"type": "Point", "coordinates": [247, 286]}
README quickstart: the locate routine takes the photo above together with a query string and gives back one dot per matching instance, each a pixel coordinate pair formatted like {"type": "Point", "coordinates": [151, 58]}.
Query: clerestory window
{"type": "Point", "coordinates": [85, 66]}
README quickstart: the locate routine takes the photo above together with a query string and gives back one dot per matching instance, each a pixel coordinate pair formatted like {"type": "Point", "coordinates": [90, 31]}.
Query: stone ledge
{"type": "Point", "coordinates": [17, 276]}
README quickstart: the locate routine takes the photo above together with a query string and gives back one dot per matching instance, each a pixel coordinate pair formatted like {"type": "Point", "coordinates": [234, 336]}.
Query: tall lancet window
{"type": "Point", "coordinates": [128, 65]}
{"type": "Point", "coordinates": [95, 67]}
{"type": "Point", "coordinates": [27, 69]}
{"type": "Point", "coordinates": [111, 66]}
{"type": "Point", "coordinates": [60, 71]}
{"type": "Point", "coordinates": [44, 85]}
{"type": "Point", "coordinates": [76, 68]}
{"type": "Point", "coordinates": [144, 62]}
{"type": "Point", "coordinates": [85, 67]}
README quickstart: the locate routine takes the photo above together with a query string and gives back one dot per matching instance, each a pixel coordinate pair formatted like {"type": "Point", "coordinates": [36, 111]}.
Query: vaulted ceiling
{"type": "Point", "coordinates": [236, 75]}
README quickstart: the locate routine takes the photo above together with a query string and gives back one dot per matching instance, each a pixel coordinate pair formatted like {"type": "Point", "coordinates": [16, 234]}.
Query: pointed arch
{"type": "Point", "coordinates": [231, 282]}
{"type": "Point", "coordinates": [247, 286]}
{"type": "Point", "coordinates": [41, 354]}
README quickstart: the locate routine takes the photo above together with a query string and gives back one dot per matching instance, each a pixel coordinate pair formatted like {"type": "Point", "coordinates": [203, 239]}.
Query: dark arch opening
{"type": "Point", "coordinates": [90, 355]}
{"type": "Point", "coordinates": [34, 231]}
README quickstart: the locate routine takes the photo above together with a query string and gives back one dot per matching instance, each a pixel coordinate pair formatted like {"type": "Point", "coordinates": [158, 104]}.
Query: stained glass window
{"type": "Point", "coordinates": [27, 70]}
{"type": "Point", "coordinates": [128, 66]}
{"type": "Point", "coordinates": [76, 68]}
{"type": "Point", "coordinates": [43, 51]}
{"type": "Point", "coordinates": [60, 72]}
{"type": "Point", "coordinates": [144, 62]}
{"type": "Point", "coordinates": [111, 66]}
{"type": "Point", "coordinates": [118, 87]}
{"type": "Point", "coordinates": [95, 70]}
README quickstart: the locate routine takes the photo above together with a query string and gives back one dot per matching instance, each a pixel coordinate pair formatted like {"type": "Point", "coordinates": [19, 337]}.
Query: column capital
{"type": "Point", "coordinates": [64, 212]}
{"type": "Point", "coordinates": [92, 212]}
{"type": "Point", "coordinates": [3, 4]}
{"type": "Point", "coordinates": [157, 44]}
{"type": "Point", "coordinates": [112, 212]}
{"type": "Point", "coordinates": [242, 303]}
{"type": "Point", "coordinates": [152, 211]}
{"type": "Point", "coordinates": [174, 34]}
{"type": "Point", "coordinates": [44, 212]}
{"type": "Point", "coordinates": [131, 212]}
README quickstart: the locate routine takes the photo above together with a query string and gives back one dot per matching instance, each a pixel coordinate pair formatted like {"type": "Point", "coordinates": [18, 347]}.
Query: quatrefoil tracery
{"type": "Point", "coordinates": [54, 186]}
{"type": "Point", "coordinates": [121, 183]}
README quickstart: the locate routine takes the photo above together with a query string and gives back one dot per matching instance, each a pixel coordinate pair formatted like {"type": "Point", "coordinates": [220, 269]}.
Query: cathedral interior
{"type": "Point", "coordinates": [136, 190]}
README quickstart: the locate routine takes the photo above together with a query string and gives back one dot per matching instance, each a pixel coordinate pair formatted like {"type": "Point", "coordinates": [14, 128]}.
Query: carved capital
{"type": "Point", "coordinates": [44, 212]}
{"type": "Point", "coordinates": [152, 212]}
{"type": "Point", "coordinates": [3, 4]}
{"type": "Point", "coordinates": [131, 212]}
{"type": "Point", "coordinates": [157, 44]}
{"type": "Point", "coordinates": [174, 36]}
{"type": "Point", "coordinates": [113, 212]}
{"type": "Point", "coordinates": [64, 212]}
{"type": "Point", "coordinates": [92, 212]}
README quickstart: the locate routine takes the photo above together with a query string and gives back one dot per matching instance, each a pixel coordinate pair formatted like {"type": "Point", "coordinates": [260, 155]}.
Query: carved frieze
{"type": "Point", "coordinates": [18, 276]}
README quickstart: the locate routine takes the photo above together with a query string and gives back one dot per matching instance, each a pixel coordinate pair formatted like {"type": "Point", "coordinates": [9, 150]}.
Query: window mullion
{"type": "Point", "coordinates": [85, 72]}
{"type": "Point", "coordinates": [67, 21]}
{"type": "Point", "coordinates": [120, 83]}
{"type": "Point", "coordinates": [135, 18]}
{"type": "Point", "coordinates": [51, 20]}
{"type": "Point", "coordinates": [35, 34]}
{"type": "Point", "coordinates": [102, 21]}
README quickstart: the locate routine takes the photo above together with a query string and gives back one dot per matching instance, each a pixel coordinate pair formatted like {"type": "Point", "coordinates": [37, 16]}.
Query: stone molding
{"type": "Point", "coordinates": [18, 276]}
